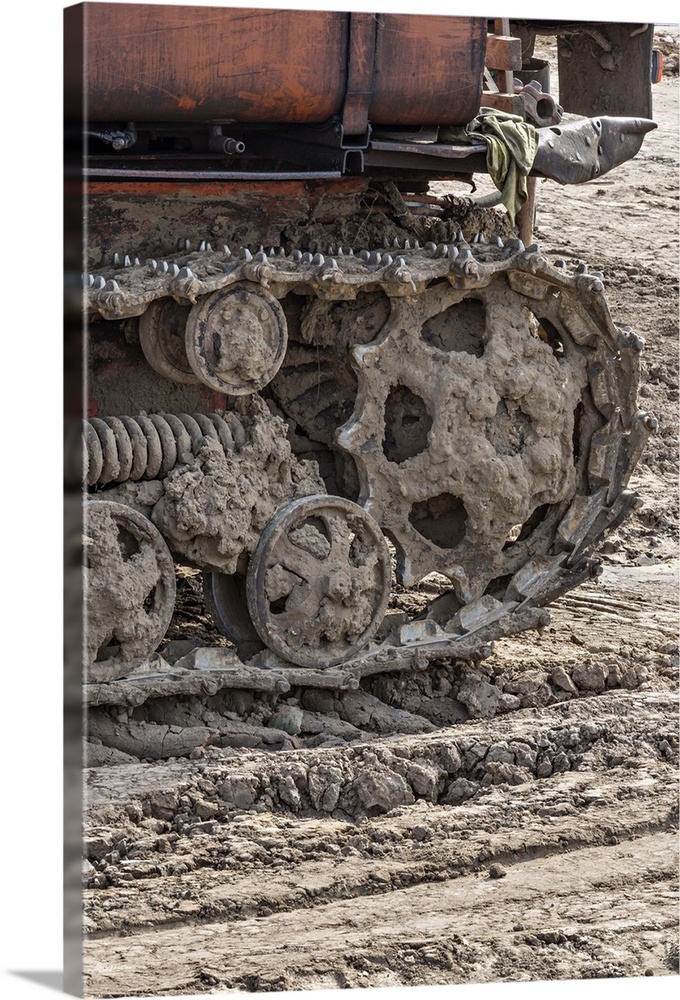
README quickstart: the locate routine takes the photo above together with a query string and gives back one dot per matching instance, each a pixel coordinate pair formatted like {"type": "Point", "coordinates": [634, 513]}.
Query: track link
{"type": "Point", "coordinates": [494, 320]}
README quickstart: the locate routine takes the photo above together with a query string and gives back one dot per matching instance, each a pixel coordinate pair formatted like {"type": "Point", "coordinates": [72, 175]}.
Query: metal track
{"type": "Point", "coordinates": [552, 551]}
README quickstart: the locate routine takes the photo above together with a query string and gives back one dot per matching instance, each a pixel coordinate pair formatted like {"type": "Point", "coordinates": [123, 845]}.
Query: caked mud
{"type": "Point", "coordinates": [509, 815]}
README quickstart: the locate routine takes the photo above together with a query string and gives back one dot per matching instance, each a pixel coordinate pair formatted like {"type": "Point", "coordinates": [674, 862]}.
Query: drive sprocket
{"type": "Point", "coordinates": [489, 415]}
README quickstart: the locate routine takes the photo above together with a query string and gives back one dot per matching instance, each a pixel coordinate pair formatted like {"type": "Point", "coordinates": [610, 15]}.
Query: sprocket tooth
{"type": "Point", "coordinates": [445, 512]}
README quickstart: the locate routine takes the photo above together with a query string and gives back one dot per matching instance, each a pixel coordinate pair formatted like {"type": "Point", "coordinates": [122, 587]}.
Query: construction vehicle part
{"type": "Point", "coordinates": [605, 69]}
{"type": "Point", "coordinates": [581, 150]}
{"type": "Point", "coordinates": [475, 398]}
{"type": "Point", "coordinates": [162, 335]}
{"type": "Point", "coordinates": [319, 581]}
{"type": "Point", "coordinates": [236, 338]}
{"type": "Point", "coordinates": [129, 589]}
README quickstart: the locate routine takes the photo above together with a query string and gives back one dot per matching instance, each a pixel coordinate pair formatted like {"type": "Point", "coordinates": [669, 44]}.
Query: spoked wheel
{"type": "Point", "coordinates": [227, 605]}
{"type": "Point", "coordinates": [129, 589]}
{"type": "Point", "coordinates": [319, 581]}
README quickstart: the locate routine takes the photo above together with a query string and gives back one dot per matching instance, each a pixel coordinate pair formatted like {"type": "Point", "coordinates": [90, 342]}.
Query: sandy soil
{"type": "Point", "coordinates": [538, 843]}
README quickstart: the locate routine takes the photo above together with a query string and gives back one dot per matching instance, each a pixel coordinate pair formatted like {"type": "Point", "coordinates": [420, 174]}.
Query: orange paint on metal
{"type": "Point", "coordinates": [216, 189]}
{"type": "Point", "coordinates": [216, 65]}
{"type": "Point", "coordinates": [213, 64]}
{"type": "Point", "coordinates": [429, 69]}
{"type": "Point", "coordinates": [186, 103]}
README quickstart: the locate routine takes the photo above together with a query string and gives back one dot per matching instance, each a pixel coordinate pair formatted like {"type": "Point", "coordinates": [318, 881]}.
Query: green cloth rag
{"type": "Point", "coordinates": [511, 145]}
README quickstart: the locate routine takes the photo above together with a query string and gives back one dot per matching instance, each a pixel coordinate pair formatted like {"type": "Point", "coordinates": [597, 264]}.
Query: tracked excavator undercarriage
{"type": "Point", "coordinates": [464, 408]}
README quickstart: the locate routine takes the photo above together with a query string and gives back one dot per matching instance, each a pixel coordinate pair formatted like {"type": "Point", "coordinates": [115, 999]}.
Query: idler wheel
{"type": "Point", "coordinates": [162, 332]}
{"type": "Point", "coordinates": [236, 339]}
{"type": "Point", "coordinates": [129, 589]}
{"type": "Point", "coordinates": [319, 581]}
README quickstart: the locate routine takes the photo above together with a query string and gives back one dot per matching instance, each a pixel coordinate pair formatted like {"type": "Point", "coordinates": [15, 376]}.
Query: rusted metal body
{"type": "Point", "coordinates": [604, 66]}
{"type": "Point", "coordinates": [225, 65]}
{"type": "Point", "coordinates": [606, 69]}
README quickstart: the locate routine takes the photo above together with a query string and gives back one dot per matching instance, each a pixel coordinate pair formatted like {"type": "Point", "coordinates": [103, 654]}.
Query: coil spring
{"type": "Point", "coordinates": [120, 449]}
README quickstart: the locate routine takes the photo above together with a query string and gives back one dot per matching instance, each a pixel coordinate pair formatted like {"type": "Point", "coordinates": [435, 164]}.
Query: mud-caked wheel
{"type": "Point", "coordinates": [129, 589]}
{"type": "Point", "coordinates": [236, 339]}
{"type": "Point", "coordinates": [226, 603]}
{"type": "Point", "coordinates": [319, 581]}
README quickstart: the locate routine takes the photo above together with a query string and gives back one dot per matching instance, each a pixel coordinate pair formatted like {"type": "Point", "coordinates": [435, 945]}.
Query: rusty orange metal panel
{"type": "Point", "coordinates": [147, 62]}
{"type": "Point", "coordinates": [428, 69]}
{"type": "Point", "coordinates": [219, 189]}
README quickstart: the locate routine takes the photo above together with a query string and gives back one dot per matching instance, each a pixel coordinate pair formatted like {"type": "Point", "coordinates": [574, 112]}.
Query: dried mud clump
{"type": "Point", "coordinates": [119, 577]}
{"type": "Point", "coordinates": [215, 506]}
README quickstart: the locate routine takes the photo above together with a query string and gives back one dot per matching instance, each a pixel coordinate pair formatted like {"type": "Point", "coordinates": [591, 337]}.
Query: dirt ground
{"type": "Point", "coordinates": [491, 845]}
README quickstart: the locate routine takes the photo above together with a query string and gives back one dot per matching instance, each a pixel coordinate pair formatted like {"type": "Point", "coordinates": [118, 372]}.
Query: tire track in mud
{"type": "Point", "coordinates": [616, 774]}
{"type": "Point", "coordinates": [241, 847]}
{"type": "Point", "coordinates": [452, 852]}
{"type": "Point", "coordinates": [475, 928]}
